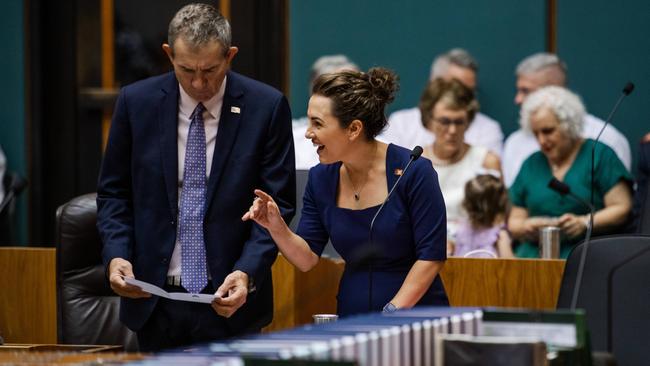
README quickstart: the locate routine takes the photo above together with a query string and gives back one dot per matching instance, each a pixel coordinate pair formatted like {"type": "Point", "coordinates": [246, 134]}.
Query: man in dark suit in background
{"type": "Point", "coordinates": [185, 152]}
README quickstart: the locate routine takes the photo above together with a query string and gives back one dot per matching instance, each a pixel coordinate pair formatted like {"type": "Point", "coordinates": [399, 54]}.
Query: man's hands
{"type": "Point", "coordinates": [231, 295]}
{"type": "Point", "coordinates": [119, 268]}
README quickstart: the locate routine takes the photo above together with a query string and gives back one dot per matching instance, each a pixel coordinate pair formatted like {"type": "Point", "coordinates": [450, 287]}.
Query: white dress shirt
{"type": "Point", "coordinates": [405, 129]}
{"type": "Point", "coordinates": [211, 116]}
{"type": "Point", "coordinates": [306, 155]}
{"type": "Point", "coordinates": [522, 144]}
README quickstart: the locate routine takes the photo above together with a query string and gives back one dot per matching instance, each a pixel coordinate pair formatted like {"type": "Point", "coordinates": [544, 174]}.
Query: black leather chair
{"type": "Point", "coordinates": [88, 310]}
{"type": "Point", "coordinates": [615, 292]}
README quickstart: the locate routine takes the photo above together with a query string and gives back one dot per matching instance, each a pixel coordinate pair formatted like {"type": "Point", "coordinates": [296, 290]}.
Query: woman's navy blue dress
{"type": "Point", "coordinates": [410, 227]}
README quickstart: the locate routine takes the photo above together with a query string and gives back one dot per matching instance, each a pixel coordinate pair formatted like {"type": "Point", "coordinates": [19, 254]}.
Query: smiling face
{"type": "Point", "coordinates": [449, 126]}
{"type": "Point", "coordinates": [554, 142]}
{"type": "Point", "coordinates": [200, 70]}
{"type": "Point", "coordinates": [325, 131]}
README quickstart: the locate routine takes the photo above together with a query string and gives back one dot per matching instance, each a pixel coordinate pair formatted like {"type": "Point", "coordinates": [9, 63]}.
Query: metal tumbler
{"type": "Point", "coordinates": [549, 242]}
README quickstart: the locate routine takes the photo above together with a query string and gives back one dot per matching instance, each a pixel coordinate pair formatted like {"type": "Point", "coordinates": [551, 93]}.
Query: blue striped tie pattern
{"type": "Point", "coordinates": [194, 271]}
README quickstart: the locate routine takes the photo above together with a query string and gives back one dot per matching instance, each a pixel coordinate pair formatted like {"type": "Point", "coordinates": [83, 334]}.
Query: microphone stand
{"type": "Point", "coordinates": [8, 198]}
{"type": "Point", "coordinates": [564, 189]}
{"type": "Point", "coordinates": [629, 87]}
{"type": "Point", "coordinates": [415, 153]}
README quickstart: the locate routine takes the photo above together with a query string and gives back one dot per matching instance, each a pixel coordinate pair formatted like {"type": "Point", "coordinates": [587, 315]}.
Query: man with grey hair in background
{"type": "Point", "coordinates": [405, 126]}
{"type": "Point", "coordinates": [306, 156]}
{"type": "Point", "coordinates": [185, 152]}
{"type": "Point", "coordinates": [536, 71]}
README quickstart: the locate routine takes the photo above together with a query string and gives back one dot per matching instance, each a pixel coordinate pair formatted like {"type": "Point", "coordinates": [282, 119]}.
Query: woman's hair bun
{"type": "Point", "coordinates": [384, 83]}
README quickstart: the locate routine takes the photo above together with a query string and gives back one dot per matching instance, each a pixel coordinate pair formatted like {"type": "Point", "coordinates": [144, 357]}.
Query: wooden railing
{"type": "Point", "coordinates": [28, 289]}
{"type": "Point", "coordinates": [524, 283]}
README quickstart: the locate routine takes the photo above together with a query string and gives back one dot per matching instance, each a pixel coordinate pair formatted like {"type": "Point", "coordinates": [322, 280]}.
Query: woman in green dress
{"type": "Point", "coordinates": [555, 116]}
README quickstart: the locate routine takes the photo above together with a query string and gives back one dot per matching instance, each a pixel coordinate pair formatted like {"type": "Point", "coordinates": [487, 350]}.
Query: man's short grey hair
{"type": "Point", "coordinates": [456, 56]}
{"type": "Point", "coordinates": [328, 64]}
{"type": "Point", "coordinates": [199, 24]}
{"type": "Point", "coordinates": [566, 106]}
{"type": "Point", "coordinates": [540, 61]}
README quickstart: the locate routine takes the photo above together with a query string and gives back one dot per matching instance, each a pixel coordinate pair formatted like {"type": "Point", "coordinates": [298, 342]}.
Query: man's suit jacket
{"type": "Point", "coordinates": [137, 194]}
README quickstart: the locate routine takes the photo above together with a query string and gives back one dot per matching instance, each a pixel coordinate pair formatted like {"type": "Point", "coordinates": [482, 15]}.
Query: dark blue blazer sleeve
{"type": "Point", "coordinates": [277, 178]}
{"type": "Point", "coordinates": [114, 207]}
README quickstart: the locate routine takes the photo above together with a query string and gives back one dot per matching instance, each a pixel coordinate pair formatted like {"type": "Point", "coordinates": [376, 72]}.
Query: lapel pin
{"type": "Point", "coordinates": [235, 110]}
{"type": "Point", "coordinates": [398, 172]}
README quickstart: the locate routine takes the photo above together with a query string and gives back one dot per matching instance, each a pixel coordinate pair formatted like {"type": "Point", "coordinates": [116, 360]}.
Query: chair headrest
{"type": "Point", "coordinates": [78, 243]}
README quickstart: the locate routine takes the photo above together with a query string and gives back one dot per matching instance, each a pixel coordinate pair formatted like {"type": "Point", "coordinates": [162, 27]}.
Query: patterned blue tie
{"type": "Point", "coordinates": [194, 271]}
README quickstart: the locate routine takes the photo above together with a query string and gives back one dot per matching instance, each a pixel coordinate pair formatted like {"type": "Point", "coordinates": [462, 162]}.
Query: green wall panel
{"type": "Point", "coordinates": [606, 44]}
{"type": "Point", "coordinates": [406, 35]}
{"type": "Point", "coordinates": [12, 98]}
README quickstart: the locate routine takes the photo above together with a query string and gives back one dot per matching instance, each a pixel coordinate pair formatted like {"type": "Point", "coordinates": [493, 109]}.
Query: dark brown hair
{"type": "Point", "coordinates": [456, 96]}
{"type": "Point", "coordinates": [359, 95]}
{"type": "Point", "coordinates": [485, 198]}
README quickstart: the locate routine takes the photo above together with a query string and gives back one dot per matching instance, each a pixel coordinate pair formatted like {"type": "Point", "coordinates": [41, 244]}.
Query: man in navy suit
{"type": "Point", "coordinates": [169, 203]}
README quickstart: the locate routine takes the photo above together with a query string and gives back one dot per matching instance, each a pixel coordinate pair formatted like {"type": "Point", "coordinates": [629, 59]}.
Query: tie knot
{"type": "Point", "coordinates": [198, 111]}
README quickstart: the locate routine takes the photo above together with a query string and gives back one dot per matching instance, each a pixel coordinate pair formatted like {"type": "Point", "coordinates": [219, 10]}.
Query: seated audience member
{"type": "Point", "coordinates": [534, 72]}
{"type": "Point", "coordinates": [484, 232]}
{"type": "Point", "coordinates": [642, 184]}
{"type": "Point", "coordinates": [555, 116]}
{"type": "Point", "coordinates": [447, 107]}
{"type": "Point", "coordinates": [404, 127]}
{"type": "Point", "coordinates": [344, 192]}
{"type": "Point", "coordinates": [306, 156]}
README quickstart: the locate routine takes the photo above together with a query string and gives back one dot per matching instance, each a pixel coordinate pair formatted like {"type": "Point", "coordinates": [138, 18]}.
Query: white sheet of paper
{"type": "Point", "coordinates": [179, 296]}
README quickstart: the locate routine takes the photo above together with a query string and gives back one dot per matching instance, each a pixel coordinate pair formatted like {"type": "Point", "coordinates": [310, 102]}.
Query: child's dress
{"type": "Point", "coordinates": [469, 239]}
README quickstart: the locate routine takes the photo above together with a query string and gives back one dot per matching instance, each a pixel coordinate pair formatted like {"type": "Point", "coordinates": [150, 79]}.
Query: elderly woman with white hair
{"type": "Point", "coordinates": [555, 116]}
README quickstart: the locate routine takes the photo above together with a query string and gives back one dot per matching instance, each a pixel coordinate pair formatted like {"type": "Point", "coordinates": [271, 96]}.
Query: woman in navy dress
{"type": "Point", "coordinates": [403, 255]}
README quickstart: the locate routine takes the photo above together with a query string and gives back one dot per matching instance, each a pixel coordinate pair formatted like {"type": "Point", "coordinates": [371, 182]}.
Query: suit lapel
{"type": "Point", "coordinates": [168, 121]}
{"type": "Point", "coordinates": [231, 112]}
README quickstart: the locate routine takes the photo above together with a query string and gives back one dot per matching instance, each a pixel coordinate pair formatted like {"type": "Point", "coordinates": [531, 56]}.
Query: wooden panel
{"type": "Point", "coordinates": [28, 300]}
{"type": "Point", "coordinates": [284, 292]}
{"type": "Point", "coordinates": [298, 295]}
{"type": "Point", "coordinates": [525, 283]}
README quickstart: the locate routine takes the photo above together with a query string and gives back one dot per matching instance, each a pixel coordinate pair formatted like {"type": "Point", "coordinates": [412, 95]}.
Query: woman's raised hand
{"type": "Point", "coordinates": [265, 212]}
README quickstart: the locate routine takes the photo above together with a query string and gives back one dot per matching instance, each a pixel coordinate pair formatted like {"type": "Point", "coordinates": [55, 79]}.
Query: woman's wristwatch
{"type": "Point", "coordinates": [389, 308]}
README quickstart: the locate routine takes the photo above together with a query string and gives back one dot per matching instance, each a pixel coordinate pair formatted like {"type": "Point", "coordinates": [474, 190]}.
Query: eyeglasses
{"type": "Point", "coordinates": [447, 122]}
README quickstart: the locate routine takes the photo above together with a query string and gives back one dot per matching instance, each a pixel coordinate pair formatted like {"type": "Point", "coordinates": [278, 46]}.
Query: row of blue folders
{"type": "Point", "coordinates": [405, 337]}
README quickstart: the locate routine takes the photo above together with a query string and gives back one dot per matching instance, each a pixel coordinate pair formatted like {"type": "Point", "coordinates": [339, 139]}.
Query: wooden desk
{"type": "Point", "coordinates": [28, 295]}
{"type": "Point", "coordinates": [28, 289]}
{"type": "Point", "coordinates": [525, 283]}
{"type": "Point", "coordinates": [58, 354]}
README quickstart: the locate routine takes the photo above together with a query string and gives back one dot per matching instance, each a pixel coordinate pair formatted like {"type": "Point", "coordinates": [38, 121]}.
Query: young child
{"type": "Point", "coordinates": [484, 233]}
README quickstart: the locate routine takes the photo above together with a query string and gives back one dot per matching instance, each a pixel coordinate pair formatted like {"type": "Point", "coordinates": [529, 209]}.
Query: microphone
{"type": "Point", "coordinates": [415, 154]}
{"type": "Point", "coordinates": [627, 89]}
{"type": "Point", "coordinates": [564, 189]}
{"type": "Point", "coordinates": [16, 186]}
